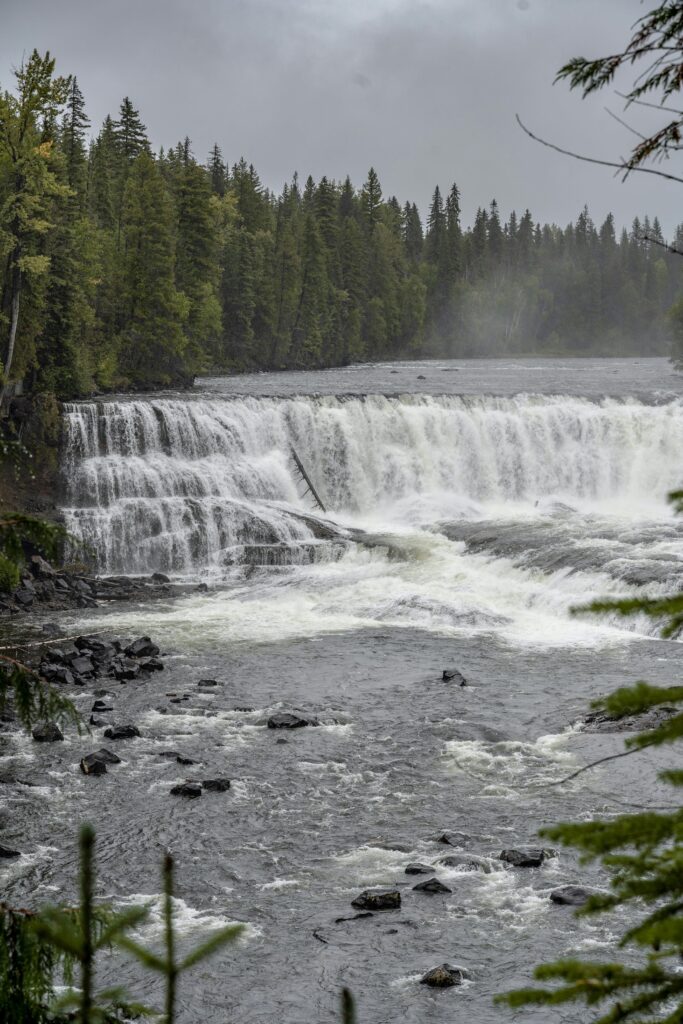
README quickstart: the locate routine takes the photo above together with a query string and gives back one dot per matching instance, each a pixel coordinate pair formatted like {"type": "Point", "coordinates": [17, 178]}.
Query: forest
{"type": "Point", "coordinates": [125, 268]}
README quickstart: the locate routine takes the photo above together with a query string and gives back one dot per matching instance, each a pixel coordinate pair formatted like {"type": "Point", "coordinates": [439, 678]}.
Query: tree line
{"type": "Point", "coordinates": [125, 268]}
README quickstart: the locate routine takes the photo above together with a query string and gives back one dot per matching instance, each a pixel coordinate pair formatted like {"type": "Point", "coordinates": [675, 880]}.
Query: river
{"type": "Point", "coordinates": [470, 505]}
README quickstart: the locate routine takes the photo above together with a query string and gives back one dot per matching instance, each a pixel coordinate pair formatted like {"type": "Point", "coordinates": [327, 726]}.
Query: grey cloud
{"type": "Point", "coordinates": [424, 91]}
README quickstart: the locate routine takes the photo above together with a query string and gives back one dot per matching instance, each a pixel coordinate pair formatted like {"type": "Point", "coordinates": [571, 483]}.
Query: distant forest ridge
{"type": "Point", "coordinates": [147, 269]}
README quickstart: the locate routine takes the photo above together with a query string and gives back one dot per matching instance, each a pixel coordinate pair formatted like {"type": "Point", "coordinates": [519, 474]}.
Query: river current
{"type": "Point", "coordinates": [469, 506]}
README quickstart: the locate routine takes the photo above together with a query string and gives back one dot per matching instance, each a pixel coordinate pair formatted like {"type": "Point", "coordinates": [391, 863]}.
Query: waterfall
{"type": "Point", "coordinates": [182, 484]}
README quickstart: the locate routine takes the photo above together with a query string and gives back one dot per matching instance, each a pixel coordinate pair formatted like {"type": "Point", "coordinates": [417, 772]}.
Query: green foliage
{"type": "Point", "coordinates": [38, 948]}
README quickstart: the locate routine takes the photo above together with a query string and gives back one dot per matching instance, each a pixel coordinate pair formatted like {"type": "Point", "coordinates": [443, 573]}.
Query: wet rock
{"type": "Point", "coordinates": [152, 665]}
{"type": "Point", "coordinates": [24, 597]}
{"type": "Point", "coordinates": [383, 899]}
{"type": "Point", "coordinates": [99, 723]}
{"type": "Point", "coordinates": [54, 654]}
{"type": "Point", "coordinates": [453, 838]}
{"type": "Point", "coordinates": [142, 648]}
{"type": "Point", "coordinates": [82, 665]}
{"type": "Point", "coordinates": [202, 588]}
{"type": "Point", "coordinates": [572, 895]}
{"type": "Point", "coordinates": [108, 756]}
{"type": "Point", "coordinates": [48, 732]}
{"type": "Point", "coordinates": [216, 785]}
{"type": "Point", "coordinates": [467, 862]}
{"type": "Point", "coordinates": [285, 720]}
{"type": "Point", "coordinates": [92, 764]}
{"type": "Point", "coordinates": [121, 732]}
{"type": "Point", "coordinates": [41, 568]}
{"type": "Point", "coordinates": [601, 721]}
{"type": "Point", "coordinates": [51, 629]}
{"type": "Point", "coordinates": [159, 577]}
{"type": "Point", "coordinates": [419, 869]}
{"type": "Point", "coordinates": [101, 705]}
{"type": "Point", "coordinates": [452, 675]}
{"type": "Point", "coordinates": [124, 668]}
{"type": "Point", "coordinates": [421, 376]}
{"type": "Point", "coordinates": [526, 857]}
{"type": "Point", "coordinates": [191, 790]}
{"type": "Point", "coordinates": [431, 885]}
{"type": "Point", "coordinates": [241, 707]}
{"type": "Point", "coordinates": [181, 759]}
{"type": "Point", "coordinates": [209, 682]}
{"type": "Point", "coordinates": [356, 917]}
{"type": "Point", "coordinates": [7, 854]}
{"type": "Point", "coordinates": [445, 976]}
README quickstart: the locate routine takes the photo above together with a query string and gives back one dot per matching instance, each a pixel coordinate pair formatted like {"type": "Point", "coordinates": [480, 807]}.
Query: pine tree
{"type": "Point", "coordinates": [217, 171]}
{"type": "Point", "coordinates": [371, 200]}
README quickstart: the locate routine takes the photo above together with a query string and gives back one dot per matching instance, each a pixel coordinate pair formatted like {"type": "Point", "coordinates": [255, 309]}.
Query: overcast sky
{"type": "Point", "coordinates": [426, 92]}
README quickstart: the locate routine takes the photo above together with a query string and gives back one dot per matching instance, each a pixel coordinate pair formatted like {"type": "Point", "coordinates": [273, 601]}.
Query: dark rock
{"type": "Point", "coordinates": [431, 885]}
{"type": "Point", "coordinates": [142, 648]}
{"type": "Point", "coordinates": [7, 854]}
{"type": "Point", "coordinates": [281, 739]}
{"type": "Point", "coordinates": [241, 707]}
{"type": "Point", "coordinates": [92, 764]}
{"type": "Point", "coordinates": [421, 376]}
{"type": "Point", "coordinates": [41, 568]}
{"type": "Point", "coordinates": [99, 723]}
{"type": "Point", "coordinates": [188, 789]}
{"type": "Point", "coordinates": [452, 674]}
{"type": "Point", "coordinates": [100, 705]}
{"type": "Point", "coordinates": [453, 838]}
{"type": "Point", "coordinates": [124, 668]}
{"type": "Point", "coordinates": [356, 917]}
{"type": "Point", "coordinates": [572, 895]}
{"type": "Point", "coordinates": [383, 899]}
{"type": "Point", "coordinates": [216, 785]}
{"type": "Point", "coordinates": [151, 665]}
{"type": "Point", "coordinates": [202, 588]}
{"type": "Point", "coordinates": [159, 577]}
{"type": "Point", "coordinates": [601, 721]}
{"type": "Point", "coordinates": [184, 760]}
{"type": "Point", "coordinates": [107, 756]}
{"type": "Point", "coordinates": [445, 976]}
{"type": "Point", "coordinates": [83, 666]}
{"type": "Point", "coordinates": [24, 597]}
{"type": "Point", "coordinates": [526, 857]}
{"type": "Point", "coordinates": [285, 720]}
{"type": "Point", "coordinates": [419, 869]}
{"type": "Point", "coordinates": [54, 654]}
{"type": "Point", "coordinates": [121, 732]}
{"type": "Point", "coordinates": [209, 682]}
{"type": "Point", "coordinates": [168, 755]}
{"type": "Point", "coordinates": [48, 732]}
{"type": "Point", "coordinates": [51, 629]}
{"type": "Point", "coordinates": [466, 861]}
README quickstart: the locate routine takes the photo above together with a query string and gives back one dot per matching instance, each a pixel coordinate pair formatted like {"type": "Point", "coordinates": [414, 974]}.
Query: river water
{"type": "Point", "coordinates": [470, 505]}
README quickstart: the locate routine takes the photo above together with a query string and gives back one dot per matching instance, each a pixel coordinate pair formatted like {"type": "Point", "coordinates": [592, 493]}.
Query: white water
{"type": "Point", "coordinates": [190, 485]}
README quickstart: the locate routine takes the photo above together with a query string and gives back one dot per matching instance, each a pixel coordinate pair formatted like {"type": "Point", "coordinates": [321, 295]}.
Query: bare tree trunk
{"type": "Point", "coordinates": [14, 321]}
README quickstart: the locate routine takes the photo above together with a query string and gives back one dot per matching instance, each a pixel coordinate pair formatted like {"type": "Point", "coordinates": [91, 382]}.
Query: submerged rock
{"type": "Point", "coordinates": [286, 720]}
{"type": "Point", "coordinates": [431, 885]}
{"type": "Point", "coordinates": [419, 869]}
{"type": "Point", "coordinates": [572, 895]}
{"type": "Point", "coordinates": [355, 917]}
{"type": "Point", "coordinates": [526, 857]}
{"type": "Point", "coordinates": [383, 899]}
{"type": "Point", "coordinates": [48, 732]}
{"type": "Point", "coordinates": [216, 785]}
{"type": "Point", "coordinates": [452, 675]}
{"type": "Point", "coordinates": [445, 976]}
{"type": "Point", "coordinates": [467, 862]}
{"type": "Point", "coordinates": [121, 732]}
{"type": "Point", "coordinates": [7, 854]}
{"type": "Point", "coordinates": [453, 838]}
{"type": "Point", "coordinates": [602, 721]}
{"type": "Point", "coordinates": [100, 706]}
{"type": "Point", "coordinates": [189, 789]}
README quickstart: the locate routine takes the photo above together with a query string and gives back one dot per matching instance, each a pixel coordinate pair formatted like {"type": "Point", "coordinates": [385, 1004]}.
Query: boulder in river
{"type": "Point", "coordinates": [191, 790]}
{"type": "Point", "coordinates": [121, 732]}
{"type": "Point", "coordinates": [152, 665]}
{"type": "Point", "coordinates": [431, 885]}
{"type": "Point", "coordinates": [602, 721]}
{"type": "Point", "coordinates": [445, 976]}
{"type": "Point", "coordinates": [466, 862]}
{"type": "Point", "coordinates": [381, 899]}
{"type": "Point", "coordinates": [92, 764]}
{"type": "Point", "coordinates": [419, 869]}
{"type": "Point", "coordinates": [526, 857]}
{"type": "Point", "coordinates": [286, 720]}
{"type": "Point", "coordinates": [159, 577]}
{"type": "Point", "coordinates": [453, 675]}
{"type": "Point", "coordinates": [453, 838]}
{"type": "Point", "coordinates": [572, 895]}
{"type": "Point", "coordinates": [216, 785]}
{"type": "Point", "coordinates": [142, 648]}
{"type": "Point", "coordinates": [7, 854]}
{"type": "Point", "coordinates": [48, 732]}
{"type": "Point", "coordinates": [101, 706]}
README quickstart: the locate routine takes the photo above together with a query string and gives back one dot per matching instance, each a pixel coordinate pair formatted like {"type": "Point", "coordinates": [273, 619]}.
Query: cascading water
{"type": "Point", "coordinates": [179, 485]}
